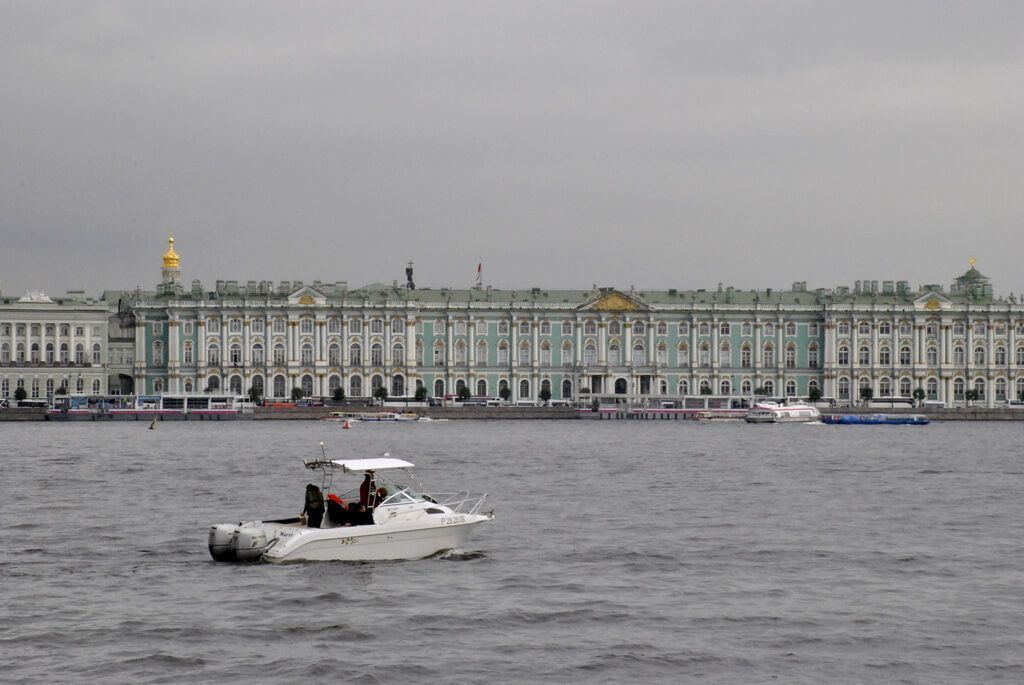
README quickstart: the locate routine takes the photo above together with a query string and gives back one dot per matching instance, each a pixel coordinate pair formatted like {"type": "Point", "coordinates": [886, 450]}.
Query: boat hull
{"type": "Point", "coordinates": [875, 420]}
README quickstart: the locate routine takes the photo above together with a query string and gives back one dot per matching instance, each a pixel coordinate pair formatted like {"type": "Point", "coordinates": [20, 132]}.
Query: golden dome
{"type": "Point", "coordinates": [171, 258]}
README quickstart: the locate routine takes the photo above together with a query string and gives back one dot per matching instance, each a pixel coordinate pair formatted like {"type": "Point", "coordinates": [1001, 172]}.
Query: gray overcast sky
{"type": "Point", "coordinates": [658, 144]}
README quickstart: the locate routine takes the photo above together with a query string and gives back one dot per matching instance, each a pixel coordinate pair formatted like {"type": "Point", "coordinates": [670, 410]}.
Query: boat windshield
{"type": "Point", "coordinates": [396, 494]}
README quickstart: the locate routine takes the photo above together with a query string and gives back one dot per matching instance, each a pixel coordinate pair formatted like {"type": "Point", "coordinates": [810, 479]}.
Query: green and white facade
{"type": "Point", "coordinates": [605, 341]}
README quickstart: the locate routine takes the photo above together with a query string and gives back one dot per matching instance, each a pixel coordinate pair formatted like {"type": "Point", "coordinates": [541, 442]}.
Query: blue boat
{"type": "Point", "coordinates": [875, 419]}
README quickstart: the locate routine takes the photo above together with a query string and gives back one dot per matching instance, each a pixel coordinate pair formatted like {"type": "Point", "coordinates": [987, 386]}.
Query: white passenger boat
{"type": "Point", "coordinates": [772, 412]}
{"type": "Point", "coordinates": [405, 523]}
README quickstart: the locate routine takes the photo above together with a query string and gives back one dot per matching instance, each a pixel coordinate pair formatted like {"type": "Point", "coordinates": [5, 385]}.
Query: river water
{"type": "Point", "coordinates": [621, 551]}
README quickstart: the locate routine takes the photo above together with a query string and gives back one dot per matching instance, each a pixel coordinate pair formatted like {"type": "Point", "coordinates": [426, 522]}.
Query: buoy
{"type": "Point", "coordinates": [345, 424]}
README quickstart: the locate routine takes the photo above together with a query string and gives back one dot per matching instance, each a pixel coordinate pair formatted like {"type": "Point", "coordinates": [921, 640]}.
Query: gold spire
{"type": "Point", "coordinates": [972, 261]}
{"type": "Point", "coordinates": [171, 258]}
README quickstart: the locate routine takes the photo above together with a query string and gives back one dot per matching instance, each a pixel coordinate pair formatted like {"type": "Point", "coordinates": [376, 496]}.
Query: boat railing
{"type": "Point", "coordinates": [462, 502]}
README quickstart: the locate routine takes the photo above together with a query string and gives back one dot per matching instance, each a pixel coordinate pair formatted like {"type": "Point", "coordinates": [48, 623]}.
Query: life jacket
{"type": "Point", "coordinates": [314, 500]}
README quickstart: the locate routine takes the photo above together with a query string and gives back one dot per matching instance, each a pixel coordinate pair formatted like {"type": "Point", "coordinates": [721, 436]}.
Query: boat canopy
{"type": "Point", "coordinates": [378, 464]}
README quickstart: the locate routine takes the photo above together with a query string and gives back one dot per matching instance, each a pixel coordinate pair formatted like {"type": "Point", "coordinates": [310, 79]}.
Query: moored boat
{"type": "Point", "coordinates": [875, 419]}
{"type": "Point", "coordinates": [771, 412]}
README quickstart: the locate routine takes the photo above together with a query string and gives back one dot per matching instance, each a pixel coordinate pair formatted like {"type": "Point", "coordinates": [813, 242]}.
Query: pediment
{"type": "Point", "coordinates": [615, 301]}
{"type": "Point", "coordinates": [307, 296]}
{"type": "Point", "coordinates": [932, 301]}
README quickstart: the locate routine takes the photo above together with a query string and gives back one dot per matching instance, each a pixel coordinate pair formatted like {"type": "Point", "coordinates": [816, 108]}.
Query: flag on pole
{"type": "Point", "coordinates": [479, 274]}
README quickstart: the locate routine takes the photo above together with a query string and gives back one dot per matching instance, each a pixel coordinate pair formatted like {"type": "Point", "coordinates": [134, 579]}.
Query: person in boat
{"type": "Point", "coordinates": [379, 496]}
{"type": "Point", "coordinates": [314, 509]}
{"type": "Point", "coordinates": [336, 511]}
{"type": "Point", "coordinates": [365, 488]}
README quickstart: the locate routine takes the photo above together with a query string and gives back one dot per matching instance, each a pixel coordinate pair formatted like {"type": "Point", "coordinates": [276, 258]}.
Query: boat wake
{"type": "Point", "coordinates": [461, 555]}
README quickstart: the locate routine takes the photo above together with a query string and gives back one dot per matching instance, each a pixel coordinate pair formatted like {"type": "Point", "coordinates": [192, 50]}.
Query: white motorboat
{"type": "Point", "coordinates": [772, 412]}
{"type": "Point", "coordinates": [404, 524]}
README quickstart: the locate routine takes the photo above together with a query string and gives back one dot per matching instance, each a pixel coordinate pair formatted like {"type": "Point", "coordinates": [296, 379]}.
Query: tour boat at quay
{"type": "Point", "coordinates": [771, 412]}
{"type": "Point", "coordinates": [875, 419]}
{"type": "Point", "coordinates": [404, 523]}
{"type": "Point", "coordinates": [149, 407]}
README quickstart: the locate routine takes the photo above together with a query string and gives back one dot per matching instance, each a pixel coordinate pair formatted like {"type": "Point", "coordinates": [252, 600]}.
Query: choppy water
{"type": "Point", "coordinates": [622, 551]}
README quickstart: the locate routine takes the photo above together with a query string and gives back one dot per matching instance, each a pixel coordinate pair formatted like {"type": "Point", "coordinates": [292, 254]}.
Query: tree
{"type": "Point", "coordinates": [420, 394]}
{"type": "Point", "coordinates": [585, 390]}
{"type": "Point", "coordinates": [705, 390]}
{"type": "Point", "coordinates": [866, 394]}
{"type": "Point", "coordinates": [595, 404]}
{"type": "Point", "coordinates": [381, 394]}
{"type": "Point", "coordinates": [760, 391]}
{"type": "Point", "coordinates": [463, 393]}
{"type": "Point", "coordinates": [505, 393]}
{"type": "Point", "coordinates": [813, 394]}
{"type": "Point", "coordinates": [544, 395]}
{"type": "Point", "coordinates": [20, 394]}
{"type": "Point", "coordinates": [297, 393]}
{"type": "Point", "coordinates": [254, 394]}
{"type": "Point", "coordinates": [972, 395]}
{"type": "Point", "coordinates": [62, 390]}
{"type": "Point", "coordinates": [339, 394]}
{"type": "Point", "coordinates": [919, 396]}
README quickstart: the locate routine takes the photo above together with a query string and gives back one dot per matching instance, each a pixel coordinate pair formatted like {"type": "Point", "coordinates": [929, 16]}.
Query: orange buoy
{"type": "Point", "coordinates": [345, 424]}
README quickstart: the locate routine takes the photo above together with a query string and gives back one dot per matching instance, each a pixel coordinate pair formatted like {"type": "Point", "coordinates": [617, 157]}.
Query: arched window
{"type": "Point", "coordinates": [639, 355]}
{"type": "Point", "coordinates": [5, 354]}
{"type": "Point", "coordinates": [545, 353]}
{"type": "Point", "coordinates": [979, 387]}
{"type": "Point", "coordinates": [397, 385]}
{"type": "Point", "coordinates": [704, 354]}
{"type": "Point", "coordinates": [306, 384]}
{"type": "Point", "coordinates": [460, 386]}
{"type": "Point", "coordinates": [235, 353]}
{"type": "Point", "coordinates": [567, 356]}
{"type": "Point", "coordinates": [843, 358]}
{"type": "Point", "coordinates": [791, 388]}
{"type": "Point", "coordinates": [524, 353]}
{"type": "Point", "coordinates": [683, 354]}
{"type": "Point", "coordinates": [567, 389]}
{"type": "Point", "coordinates": [355, 355]}
{"type": "Point", "coordinates": [376, 354]}
{"type": "Point", "coordinates": [769, 354]}
{"type": "Point", "coordinates": [905, 387]}
{"type": "Point", "coordinates": [705, 386]}
{"type": "Point", "coordinates": [545, 385]}
{"type": "Point", "coordinates": [905, 355]}
{"type": "Point", "coordinates": [958, 355]}
{"type": "Point", "coordinates": [481, 352]}
{"type": "Point", "coordinates": [1019, 389]}
{"type": "Point", "coordinates": [864, 355]}
{"type": "Point", "coordinates": [745, 356]}
{"type": "Point", "coordinates": [1019, 356]}
{"type": "Point", "coordinates": [502, 386]}
{"type": "Point", "coordinates": [725, 354]}
{"type": "Point", "coordinates": [235, 384]}
{"type": "Point", "coordinates": [158, 386]}
{"type": "Point", "coordinates": [589, 353]}
{"type": "Point", "coordinates": [307, 354]}
{"type": "Point", "coordinates": [1000, 356]}
{"type": "Point", "coordinates": [34, 356]}
{"type": "Point", "coordinates": [1000, 389]}
{"type": "Point", "coordinates": [791, 356]}
{"type": "Point", "coordinates": [932, 389]}
{"type": "Point", "coordinates": [662, 353]}
{"type": "Point", "coordinates": [256, 386]}
{"type": "Point", "coordinates": [189, 387]}
{"type": "Point", "coordinates": [419, 352]}
{"type": "Point", "coordinates": [813, 360]}
{"type": "Point", "coordinates": [213, 355]}
{"type": "Point", "coordinates": [333, 383]}
{"type": "Point", "coordinates": [932, 356]}
{"type": "Point", "coordinates": [439, 353]}
{"type": "Point", "coordinates": [746, 387]}
{"type": "Point", "coordinates": [662, 328]}
{"type": "Point", "coordinates": [355, 386]}
{"type": "Point", "coordinates": [186, 353]}
{"type": "Point", "coordinates": [279, 386]}
{"type": "Point", "coordinates": [614, 354]}
{"type": "Point", "coordinates": [769, 388]}
{"type": "Point", "coordinates": [724, 329]}
{"type": "Point", "coordinates": [589, 328]}
{"type": "Point", "coordinates": [684, 387]}
{"type": "Point", "coordinates": [439, 388]}
{"type": "Point", "coordinates": [334, 354]}
{"type": "Point", "coordinates": [524, 389]}
{"type": "Point", "coordinates": [49, 388]}
{"type": "Point", "coordinates": [481, 388]}
{"type": "Point", "coordinates": [812, 385]}
{"type": "Point", "coordinates": [884, 356]}
{"type": "Point", "coordinates": [213, 383]}
{"type": "Point", "coordinates": [158, 353]}
{"type": "Point", "coordinates": [979, 356]}
{"type": "Point", "coordinates": [725, 387]}
{"type": "Point", "coordinates": [503, 353]}
{"type": "Point", "coordinates": [376, 383]}
{"type": "Point", "coordinates": [638, 328]}
{"type": "Point", "coordinates": [398, 354]}
{"type": "Point", "coordinates": [614, 328]}
{"type": "Point", "coordinates": [279, 356]}
{"type": "Point", "coordinates": [958, 388]}
{"type": "Point", "coordinates": [844, 388]}
{"type": "Point", "coordinates": [49, 354]}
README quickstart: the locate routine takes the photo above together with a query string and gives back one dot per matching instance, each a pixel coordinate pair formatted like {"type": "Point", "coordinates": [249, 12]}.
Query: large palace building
{"type": "Point", "coordinates": [574, 344]}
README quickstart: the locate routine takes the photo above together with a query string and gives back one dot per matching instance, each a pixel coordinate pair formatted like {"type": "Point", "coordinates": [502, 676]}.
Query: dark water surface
{"type": "Point", "coordinates": [622, 551]}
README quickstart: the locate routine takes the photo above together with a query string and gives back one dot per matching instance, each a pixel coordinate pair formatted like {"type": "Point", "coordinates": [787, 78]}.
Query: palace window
{"type": "Point", "coordinates": [746, 329]}
{"type": "Point", "coordinates": [884, 356]}
{"type": "Point", "coordinates": [545, 328]}
{"type": "Point", "coordinates": [279, 356]}
{"type": "Point", "coordinates": [958, 356]}
{"type": "Point", "coordinates": [725, 354]}
{"type": "Point", "coordinates": [614, 354]}
{"type": "Point", "coordinates": [212, 326]}
{"type": "Point", "coordinates": [213, 355]}
{"type": "Point", "coordinates": [439, 354]}
{"type": "Point", "coordinates": [662, 328]}
{"type": "Point", "coordinates": [863, 328]}
{"type": "Point", "coordinates": [355, 355]}
{"type": "Point", "coordinates": [790, 388]}
{"type": "Point", "coordinates": [724, 328]}
{"type": "Point", "coordinates": [614, 328]}
{"type": "Point", "coordinates": [235, 326]}
{"type": "Point", "coordinates": [979, 387]}
{"type": "Point", "coordinates": [376, 327]}
{"type": "Point", "coordinates": [932, 389]}
{"type": "Point", "coordinates": [503, 354]}
{"type": "Point", "coordinates": [590, 354]}
{"type": "Point", "coordinates": [684, 387]}
{"type": "Point", "coordinates": [885, 328]}
{"type": "Point", "coordinates": [684, 328]}
{"type": "Point", "coordinates": [959, 328]}
{"type": "Point", "coordinates": [958, 388]}
{"type": "Point", "coordinates": [844, 329]}
{"type": "Point", "coordinates": [745, 356]}
{"type": "Point", "coordinates": [639, 355]}
{"type": "Point", "coordinates": [683, 353]}
{"type": "Point", "coordinates": [864, 356]}
{"type": "Point", "coordinates": [769, 388]}
{"type": "Point", "coordinates": [704, 354]}
{"type": "Point", "coordinates": [503, 327]}
{"type": "Point", "coordinates": [279, 325]}
{"type": "Point", "coordinates": [306, 325]}
{"type": "Point", "coordinates": [812, 329]}
{"type": "Point", "coordinates": [524, 328]}
{"type": "Point", "coordinates": [158, 353]}
{"type": "Point", "coordinates": [235, 354]}
{"type": "Point", "coordinates": [524, 353]}
{"type": "Point", "coordinates": [790, 329]}
{"type": "Point", "coordinates": [158, 329]}
{"type": "Point", "coordinates": [813, 360]}
{"type": "Point", "coordinates": [481, 352]}
{"type": "Point", "coordinates": [334, 325]}
{"type": "Point", "coordinates": [979, 356]}
{"type": "Point", "coordinates": [791, 356]}
{"type": "Point", "coordinates": [844, 388]}
{"type": "Point", "coordinates": [1000, 328]}
{"type": "Point", "coordinates": [186, 352]}
{"type": "Point", "coordinates": [567, 328]}
{"type": "Point", "coordinates": [769, 330]}
{"type": "Point", "coordinates": [355, 326]}
{"type": "Point", "coordinates": [905, 355]}
{"type": "Point", "coordinates": [334, 354]}
{"type": "Point", "coordinates": [1019, 356]}
{"type": "Point", "coordinates": [567, 355]}
{"type": "Point", "coordinates": [905, 387]}
{"type": "Point", "coordinates": [746, 387]}
{"type": "Point", "coordinates": [545, 354]}
{"type": "Point", "coordinates": [979, 329]}
{"type": "Point", "coordinates": [397, 327]}
{"type": "Point", "coordinates": [769, 354]}
{"type": "Point", "coordinates": [885, 387]}
{"type": "Point", "coordinates": [1020, 328]}
{"type": "Point", "coordinates": [932, 356]}
{"type": "Point", "coordinates": [257, 354]}
{"type": "Point", "coordinates": [257, 326]}
{"type": "Point", "coordinates": [377, 354]}
{"type": "Point", "coordinates": [398, 354]}
{"type": "Point", "coordinates": [49, 354]}
{"type": "Point", "coordinates": [188, 328]}
{"type": "Point", "coordinates": [419, 352]}
{"type": "Point", "coordinates": [460, 352]}
{"type": "Point", "coordinates": [638, 328]}
{"type": "Point", "coordinates": [930, 329]}
{"type": "Point", "coordinates": [704, 329]}
{"type": "Point", "coordinates": [1019, 389]}
{"type": "Point", "coordinates": [460, 327]}
{"type": "Point", "coordinates": [812, 385]}
{"type": "Point", "coordinates": [1001, 389]}
{"type": "Point", "coordinates": [725, 387]}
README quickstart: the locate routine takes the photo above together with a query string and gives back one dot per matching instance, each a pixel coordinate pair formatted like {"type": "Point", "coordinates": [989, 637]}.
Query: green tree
{"type": "Point", "coordinates": [20, 394]}
{"type": "Point", "coordinates": [380, 394]}
{"type": "Point", "coordinates": [505, 393]}
{"type": "Point", "coordinates": [420, 394]}
{"type": "Point", "coordinates": [705, 390]}
{"type": "Point", "coordinates": [544, 395]}
{"type": "Point", "coordinates": [463, 393]}
{"type": "Point", "coordinates": [62, 390]}
{"type": "Point", "coordinates": [297, 393]}
{"type": "Point", "coordinates": [254, 394]}
{"type": "Point", "coordinates": [919, 396]}
{"type": "Point", "coordinates": [972, 396]}
{"type": "Point", "coordinates": [813, 394]}
{"type": "Point", "coordinates": [339, 394]}
{"type": "Point", "coordinates": [866, 394]}
{"type": "Point", "coordinates": [760, 391]}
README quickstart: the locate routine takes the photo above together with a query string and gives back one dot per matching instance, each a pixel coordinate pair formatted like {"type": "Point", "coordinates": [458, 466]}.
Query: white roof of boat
{"type": "Point", "coordinates": [378, 464]}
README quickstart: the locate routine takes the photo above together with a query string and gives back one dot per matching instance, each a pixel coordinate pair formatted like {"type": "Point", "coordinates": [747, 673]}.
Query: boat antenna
{"type": "Point", "coordinates": [322, 450]}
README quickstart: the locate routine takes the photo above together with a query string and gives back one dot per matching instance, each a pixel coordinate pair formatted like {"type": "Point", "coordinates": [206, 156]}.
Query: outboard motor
{"type": "Point", "coordinates": [229, 542]}
{"type": "Point", "coordinates": [250, 544]}
{"type": "Point", "coordinates": [222, 541]}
